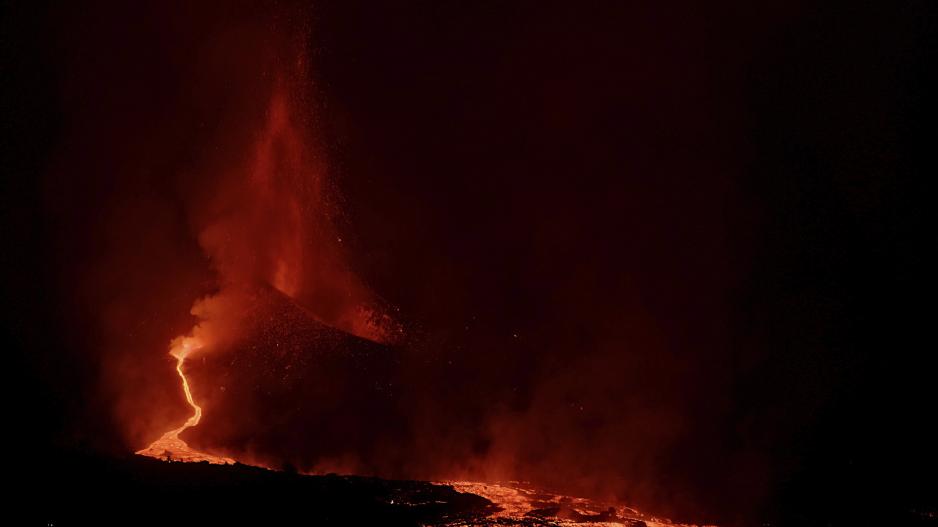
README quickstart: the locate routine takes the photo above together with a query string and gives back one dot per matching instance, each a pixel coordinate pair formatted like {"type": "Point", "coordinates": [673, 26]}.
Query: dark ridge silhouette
{"type": "Point", "coordinates": [296, 392]}
{"type": "Point", "coordinates": [90, 489]}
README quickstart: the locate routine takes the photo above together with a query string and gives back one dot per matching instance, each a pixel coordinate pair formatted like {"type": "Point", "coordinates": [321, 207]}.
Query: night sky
{"type": "Point", "coordinates": [666, 252]}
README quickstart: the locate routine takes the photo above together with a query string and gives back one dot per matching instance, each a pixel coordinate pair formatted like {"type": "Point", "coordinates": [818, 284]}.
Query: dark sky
{"type": "Point", "coordinates": [670, 252]}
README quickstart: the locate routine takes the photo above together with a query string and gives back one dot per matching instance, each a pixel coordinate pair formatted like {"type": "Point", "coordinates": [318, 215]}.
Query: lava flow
{"type": "Point", "coordinates": [170, 447]}
{"type": "Point", "coordinates": [519, 503]}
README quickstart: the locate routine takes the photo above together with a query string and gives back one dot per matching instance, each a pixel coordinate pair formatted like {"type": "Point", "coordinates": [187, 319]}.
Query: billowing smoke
{"type": "Point", "coordinates": [189, 174]}
{"type": "Point", "coordinates": [268, 216]}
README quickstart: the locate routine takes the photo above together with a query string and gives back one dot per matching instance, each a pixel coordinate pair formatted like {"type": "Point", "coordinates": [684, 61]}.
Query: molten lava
{"type": "Point", "coordinates": [519, 503]}
{"type": "Point", "coordinates": [170, 447]}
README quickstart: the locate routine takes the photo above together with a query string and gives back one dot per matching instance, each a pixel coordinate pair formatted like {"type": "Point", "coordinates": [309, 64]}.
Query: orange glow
{"type": "Point", "coordinates": [520, 502]}
{"type": "Point", "coordinates": [170, 447]}
{"type": "Point", "coordinates": [264, 215]}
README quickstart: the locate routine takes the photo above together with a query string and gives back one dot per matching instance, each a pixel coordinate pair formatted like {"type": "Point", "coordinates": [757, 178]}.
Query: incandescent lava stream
{"type": "Point", "coordinates": [169, 446]}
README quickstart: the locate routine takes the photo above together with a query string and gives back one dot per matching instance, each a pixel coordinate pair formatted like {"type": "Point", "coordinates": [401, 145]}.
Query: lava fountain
{"type": "Point", "coordinates": [263, 211]}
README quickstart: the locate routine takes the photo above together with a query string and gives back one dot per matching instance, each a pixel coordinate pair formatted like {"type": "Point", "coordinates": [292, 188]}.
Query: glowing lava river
{"type": "Point", "coordinates": [519, 503]}
{"type": "Point", "coordinates": [170, 447]}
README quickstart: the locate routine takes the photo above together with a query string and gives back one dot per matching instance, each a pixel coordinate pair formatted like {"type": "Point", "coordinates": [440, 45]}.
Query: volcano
{"type": "Point", "coordinates": [308, 258]}
{"type": "Point", "coordinates": [290, 391]}
{"type": "Point", "coordinates": [295, 394]}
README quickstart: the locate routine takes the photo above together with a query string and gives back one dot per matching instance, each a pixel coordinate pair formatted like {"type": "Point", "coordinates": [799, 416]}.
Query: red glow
{"type": "Point", "coordinates": [170, 447]}
{"type": "Point", "coordinates": [269, 220]}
